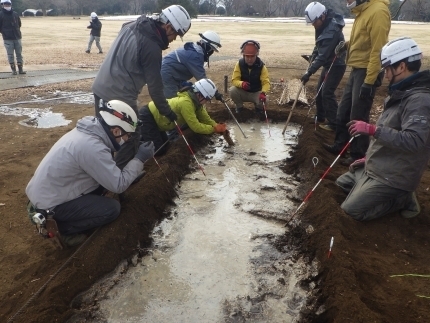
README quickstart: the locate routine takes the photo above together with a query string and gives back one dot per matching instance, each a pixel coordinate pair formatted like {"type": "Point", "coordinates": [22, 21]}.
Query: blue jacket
{"type": "Point", "coordinates": [181, 65]}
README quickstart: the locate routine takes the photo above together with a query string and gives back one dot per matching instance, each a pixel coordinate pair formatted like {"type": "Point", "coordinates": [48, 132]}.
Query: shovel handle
{"type": "Point", "coordinates": [291, 111]}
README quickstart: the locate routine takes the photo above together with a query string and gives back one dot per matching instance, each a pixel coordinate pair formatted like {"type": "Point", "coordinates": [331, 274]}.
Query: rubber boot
{"type": "Point", "coordinates": [13, 67]}
{"type": "Point", "coordinates": [21, 71]}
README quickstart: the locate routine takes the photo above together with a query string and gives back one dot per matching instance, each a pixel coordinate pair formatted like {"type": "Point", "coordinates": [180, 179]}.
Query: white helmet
{"type": "Point", "coordinates": [6, 1]}
{"type": "Point", "coordinates": [178, 17]}
{"type": "Point", "coordinates": [120, 114]}
{"type": "Point", "coordinates": [212, 38]}
{"type": "Point", "coordinates": [399, 49]}
{"type": "Point", "coordinates": [313, 11]}
{"type": "Point", "coordinates": [93, 15]}
{"type": "Point", "coordinates": [206, 88]}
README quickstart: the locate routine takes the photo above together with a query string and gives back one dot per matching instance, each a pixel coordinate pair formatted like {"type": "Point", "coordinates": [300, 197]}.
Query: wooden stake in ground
{"type": "Point", "coordinates": [291, 111]}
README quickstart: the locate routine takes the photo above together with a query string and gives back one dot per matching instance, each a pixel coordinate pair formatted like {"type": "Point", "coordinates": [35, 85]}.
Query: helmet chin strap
{"type": "Point", "coordinates": [394, 76]}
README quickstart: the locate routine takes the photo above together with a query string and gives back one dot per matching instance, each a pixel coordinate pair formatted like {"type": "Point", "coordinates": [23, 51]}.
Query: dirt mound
{"type": "Point", "coordinates": [354, 284]}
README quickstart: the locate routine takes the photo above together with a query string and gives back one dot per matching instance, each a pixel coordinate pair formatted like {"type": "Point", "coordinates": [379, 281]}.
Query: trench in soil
{"type": "Point", "coordinates": [213, 258]}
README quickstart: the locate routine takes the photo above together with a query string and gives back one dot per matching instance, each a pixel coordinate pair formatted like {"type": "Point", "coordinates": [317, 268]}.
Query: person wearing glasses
{"type": "Point", "coordinates": [250, 79]}
{"type": "Point", "coordinates": [134, 60]}
{"type": "Point", "coordinates": [71, 180]}
{"type": "Point", "coordinates": [385, 180]}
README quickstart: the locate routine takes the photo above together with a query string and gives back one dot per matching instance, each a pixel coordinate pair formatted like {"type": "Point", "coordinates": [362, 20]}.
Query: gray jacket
{"type": "Point", "coordinates": [134, 60]}
{"type": "Point", "coordinates": [77, 164]}
{"type": "Point", "coordinates": [400, 151]}
{"type": "Point", "coordinates": [326, 39]}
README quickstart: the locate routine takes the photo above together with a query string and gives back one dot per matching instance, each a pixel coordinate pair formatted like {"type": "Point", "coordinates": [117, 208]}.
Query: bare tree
{"type": "Point", "coordinates": [136, 6]}
{"type": "Point", "coordinates": [81, 4]}
{"type": "Point", "coordinates": [298, 7]}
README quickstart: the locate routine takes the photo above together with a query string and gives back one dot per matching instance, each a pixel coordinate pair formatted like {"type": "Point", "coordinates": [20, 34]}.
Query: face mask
{"type": "Point", "coordinates": [7, 8]}
{"type": "Point", "coordinates": [352, 5]}
{"type": "Point", "coordinates": [121, 142]}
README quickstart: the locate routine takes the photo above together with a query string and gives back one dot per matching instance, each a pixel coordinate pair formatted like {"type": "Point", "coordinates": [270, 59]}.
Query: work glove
{"type": "Point", "coordinates": [218, 96]}
{"type": "Point", "coordinates": [246, 86]}
{"type": "Point", "coordinates": [305, 78]}
{"type": "Point", "coordinates": [262, 97]}
{"type": "Point", "coordinates": [357, 164]}
{"type": "Point", "coordinates": [341, 48]}
{"type": "Point", "coordinates": [220, 127]}
{"type": "Point", "coordinates": [360, 128]}
{"type": "Point", "coordinates": [171, 116]}
{"type": "Point", "coordinates": [366, 91]}
{"type": "Point", "coordinates": [145, 151]}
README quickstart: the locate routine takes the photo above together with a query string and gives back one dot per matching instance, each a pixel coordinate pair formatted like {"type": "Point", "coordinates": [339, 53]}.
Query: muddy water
{"type": "Point", "coordinates": [44, 117]}
{"type": "Point", "coordinates": [213, 258]}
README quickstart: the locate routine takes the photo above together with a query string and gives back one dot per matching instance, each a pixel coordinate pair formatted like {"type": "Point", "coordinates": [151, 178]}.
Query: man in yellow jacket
{"type": "Point", "coordinates": [369, 34]}
{"type": "Point", "coordinates": [250, 78]}
{"type": "Point", "coordinates": [190, 110]}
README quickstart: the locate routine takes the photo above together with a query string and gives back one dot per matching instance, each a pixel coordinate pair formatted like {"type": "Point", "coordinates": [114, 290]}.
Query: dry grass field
{"type": "Point", "coordinates": [354, 285]}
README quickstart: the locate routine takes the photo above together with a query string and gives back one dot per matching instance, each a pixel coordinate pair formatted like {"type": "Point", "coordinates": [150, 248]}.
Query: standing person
{"type": "Point", "coordinates": [95, 34]}
{"type": "Point", "coordinates": [134, 60]}
{"type": "Point", "coordinates": [250, 78]}
{"type": "Point", "coordinates": [10, 28]}
{"type": "Point", "coordinates": [180, 65]}
{"type": "Point", "coordinates": [369, 34]}
{"type": "Point", "coordinates": [385, 180]}
{"type": "Point", "coordinates": [328, 33]}
{"type": "Point", "coordinates": [189, 107]}
{"type": "Point", "coordinates": [71, 178]}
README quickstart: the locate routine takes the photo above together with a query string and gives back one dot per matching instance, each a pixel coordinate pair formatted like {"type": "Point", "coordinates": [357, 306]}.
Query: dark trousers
{"type": "Point", "coordinates": [326, 102]}
{"type": "Point", "coordinates": [351, 107]}
{"type": "Point", "coordinates": [150, 131]}
{"type": "Point", "coordinates": [128, 149]}
{"type": "Point", "coordinates": [85, 212]}
{"type": "Point", "coordinates": [369, 199]}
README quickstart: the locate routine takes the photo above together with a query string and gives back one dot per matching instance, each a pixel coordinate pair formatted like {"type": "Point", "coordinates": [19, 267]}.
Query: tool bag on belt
{"type": "Point", "coordinates": [45, 224]}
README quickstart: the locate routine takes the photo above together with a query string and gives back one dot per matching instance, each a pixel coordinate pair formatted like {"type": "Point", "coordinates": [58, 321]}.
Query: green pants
{"type": "Point", "coordinates": [369, 199]}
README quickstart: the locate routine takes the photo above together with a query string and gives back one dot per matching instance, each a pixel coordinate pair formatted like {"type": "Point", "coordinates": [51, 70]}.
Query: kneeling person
{"type": "Point", "coordinates": [189, 107]}
{"type": "Point", "coordinates": [71, 178]}
{"type": "Point", "coordinates": [400, 149]}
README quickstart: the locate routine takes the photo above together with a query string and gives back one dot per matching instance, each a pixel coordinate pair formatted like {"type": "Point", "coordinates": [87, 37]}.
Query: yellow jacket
{"type": "Point", "coordinates": [369, 34]}
{"type": "Point", "coordinates": [264, 78]}
{"type": "Point", "coordinates": [189, 112]}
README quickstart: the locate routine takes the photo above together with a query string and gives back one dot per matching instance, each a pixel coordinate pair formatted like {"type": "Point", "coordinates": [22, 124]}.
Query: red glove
{"type": "Point", "coordinates": [357, 164]}
{"type": "Point", "coordinates": [262, 97]}
{"type": "Point", "coordinates": [220, 127]}
{"type": "Point", "coordinates": [246, 86]}
{"type": "Point", "coordinates": [360, 128]}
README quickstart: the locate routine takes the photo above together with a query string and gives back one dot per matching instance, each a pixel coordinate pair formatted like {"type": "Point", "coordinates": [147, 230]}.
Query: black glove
{"type": "Point", "coordinates": [366, 91]}
{"type": "Point", "coordinates": [305, 78]}
{"type": "Point", "coordinates": [171, 116]}
{"type": "Point", "coordinates": [218, 96]}
{"type": "Point", "coordinates": [145, 151]}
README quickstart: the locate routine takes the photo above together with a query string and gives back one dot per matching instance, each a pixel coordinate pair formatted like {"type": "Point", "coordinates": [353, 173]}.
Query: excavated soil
{"type": "Point", "coordinates": [353, 285]}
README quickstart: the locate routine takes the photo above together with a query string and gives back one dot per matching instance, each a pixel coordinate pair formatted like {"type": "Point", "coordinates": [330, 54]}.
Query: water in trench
{"type": "Point", "coordinates": [44, 117]}
{"type": "Point", "coordinates": [213, 258]}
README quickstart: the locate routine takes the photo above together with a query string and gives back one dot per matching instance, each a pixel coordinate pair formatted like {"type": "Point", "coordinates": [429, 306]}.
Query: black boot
{"type": "Point", "coordinates": [13, 67]}
{"type": "Point", "coordinates": [21, 71]}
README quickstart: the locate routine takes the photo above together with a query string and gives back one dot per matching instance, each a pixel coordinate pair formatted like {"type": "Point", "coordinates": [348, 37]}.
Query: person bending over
{"type": "Point", "coordinates": [189, 107]}
{"type": "Point", "coordinates": [71, 179]}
